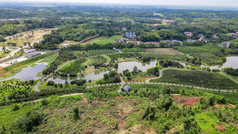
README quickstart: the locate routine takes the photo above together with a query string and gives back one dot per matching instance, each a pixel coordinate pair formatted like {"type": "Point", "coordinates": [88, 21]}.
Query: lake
{"type": "Point", "coordinates": [91, 76]}
{"type": "Point", "coordinates": [28, 73]}
{"type": "Point", "coordinates": [231, 61]}
{"type": "Point", "coordinates": [131, 64]}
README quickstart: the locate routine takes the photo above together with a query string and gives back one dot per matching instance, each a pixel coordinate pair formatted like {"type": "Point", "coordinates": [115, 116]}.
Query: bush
{"type": "Point", "coordinates": [76, 113]}
{"type": "Point", "coordinates": [44, 102]}
{"type": "Point", "coordinates": [50, 83]}
{"type": "Point", "coordinates": [149, 113]}
{"type": "Point", "coordinates": [30, 120]}
{"type": "Point", "coordinates": [15, 107]}
{"type": "Point", "coordinates": [191, 126]}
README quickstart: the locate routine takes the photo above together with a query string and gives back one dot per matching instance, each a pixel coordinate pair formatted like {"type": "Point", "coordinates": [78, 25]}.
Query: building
{"type": "Point", "coordinates": [130, 35]}
{"type": "Point", "coordinates": [191, 41]}
{"type": "Point", "coordinates": [215, 36]}
{"type": "Point", "coordinates": [226, 44]}
{"type": "Point", "coordinates": [233, 35]}
{"type": "Point", "coordinates": [135, 42]}
{"type": "Point", "coordinates": [121, 39]}
{"type": "Point", "coordinates": [27, 51]}
{"type": "Point", "coordinates": [201, 35]}
{"type": "Point", "coordinates": [174, 41]}
{"type": "Point", "coordinates": [165, 41]}
{"type": "Point", "coordinates": [124, 29]}
{"type": "Point", "coordinates": [190, 34]}
{"type": "Point", "coordinates": [155, 43]}
{"type": "Point", "coordinates": [33, 54]}
{"type": "Point", "coordinates": [127, 88]}
{"type": "Point", "coordinates": [202, 39]}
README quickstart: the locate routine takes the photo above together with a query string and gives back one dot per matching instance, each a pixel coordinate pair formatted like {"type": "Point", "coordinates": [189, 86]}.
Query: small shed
{"type": "Point", "coordinates": [127, 88]}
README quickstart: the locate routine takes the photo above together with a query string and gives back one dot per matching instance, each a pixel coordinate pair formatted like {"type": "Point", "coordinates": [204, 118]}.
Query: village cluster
{"type": "Point", "coordinates": [131, 37]}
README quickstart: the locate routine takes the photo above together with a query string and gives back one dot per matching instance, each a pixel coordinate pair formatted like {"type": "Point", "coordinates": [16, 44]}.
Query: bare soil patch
{"type": "Point", "coordinates": [184, 100]}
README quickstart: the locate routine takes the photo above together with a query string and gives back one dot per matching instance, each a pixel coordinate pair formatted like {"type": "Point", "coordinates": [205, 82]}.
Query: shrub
{"type": "Point", "coordinates": [149, 113]}
{"type": "Point", "coordinates": [30, 120]}
{"type": "Point", "coordinates": [15, 107]}
{"type": "Point", "coordinates": [191, 126]}
{"type": "Point", "coordinates": [76, 113]}
{"type": "Point", "coordinates": [44, 102]}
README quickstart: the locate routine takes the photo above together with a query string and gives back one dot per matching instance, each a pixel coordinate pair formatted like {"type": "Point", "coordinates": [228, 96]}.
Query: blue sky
{"type": "Point", "coordinates": [232, 3]}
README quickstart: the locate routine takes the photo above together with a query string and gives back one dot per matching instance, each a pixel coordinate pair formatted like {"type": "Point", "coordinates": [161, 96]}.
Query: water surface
{"type": "Point", "coordinates": [131, 64]}
{"type": "Point", "coordinates": [28, 73]}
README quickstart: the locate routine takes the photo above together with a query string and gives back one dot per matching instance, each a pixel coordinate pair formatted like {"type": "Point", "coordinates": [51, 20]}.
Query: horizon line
{"type": "Point", "coordinates": [98, 3]}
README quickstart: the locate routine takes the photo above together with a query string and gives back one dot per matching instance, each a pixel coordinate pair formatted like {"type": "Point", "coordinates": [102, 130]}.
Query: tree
{"type": "Point", "coordinates": [76, 113]}
{"type": "Point", "coordinates": [135, 69]}
{"type": "Point", "coordinates": [149, 113]}
{"type": "Point", "coordinates": [191, 126]}
{"type": "Point", "coordinates": [4, 49]}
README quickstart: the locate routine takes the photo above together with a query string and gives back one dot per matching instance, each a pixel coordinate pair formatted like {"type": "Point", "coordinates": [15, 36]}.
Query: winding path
{"type": "Point", "coordinates": [36, 87]}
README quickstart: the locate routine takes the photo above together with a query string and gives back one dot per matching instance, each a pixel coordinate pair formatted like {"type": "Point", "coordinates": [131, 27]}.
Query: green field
{"type": "Point", "coordinates": [197, 78]}
{"type": "Point", "coordinates": [104, 40]}
{"type": "Point", "coordinates": [209, 54]}
{"type": "Point", "coordinates": [74, 67]}
{"type": "Point", "coordinates": [99, 60]}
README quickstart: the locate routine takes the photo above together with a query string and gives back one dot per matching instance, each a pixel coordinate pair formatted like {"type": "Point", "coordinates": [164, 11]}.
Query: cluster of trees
{"type": "Point", "coordinates": [194, 61]}
{"type": "Point", "coordinates": [112, 77]}
{"type": "Point", "coordinates": [153, 71]}
{"type": "Point", "coordinates": [170, 63]}
{"type": "Point", "coordinates": [129, 74]}
{"type": "Point", "coordinates": [231, 71]}
{"type": "Point", "coordinates": [64, 55]}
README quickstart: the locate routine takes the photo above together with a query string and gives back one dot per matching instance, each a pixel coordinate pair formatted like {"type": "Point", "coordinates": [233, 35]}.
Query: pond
{"type": "Point", "coordinates": [29, 73]}
{"type": "Point", "coordinates": [131, 64]}
{"type": "Point", "coordinates": [231, 61]}
{"type": "Point", "coordinates": [91, 76]}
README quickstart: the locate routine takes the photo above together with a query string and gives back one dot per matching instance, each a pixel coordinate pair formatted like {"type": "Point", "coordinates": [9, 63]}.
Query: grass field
{"type": "Point", "coordinates": [38, 34]}
{"type": "Point", "coordinates": [168, 51]}
{"type": "Point", "coordinates": [197, 78]}
{"type": "Point", "coordinates": [104, 40]}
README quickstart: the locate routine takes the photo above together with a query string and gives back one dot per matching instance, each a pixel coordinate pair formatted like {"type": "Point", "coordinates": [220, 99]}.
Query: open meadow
{"type": "Point", "coordinates": [103, 40]}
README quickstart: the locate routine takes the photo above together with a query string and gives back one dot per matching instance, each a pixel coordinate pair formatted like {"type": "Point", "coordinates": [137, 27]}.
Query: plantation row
{"type": "Point", "coordinates": [197, 78]}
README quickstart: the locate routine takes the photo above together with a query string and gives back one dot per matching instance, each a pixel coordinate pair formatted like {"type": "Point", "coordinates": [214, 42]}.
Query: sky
{"type": "Point", "coordinates": [227, 3]}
